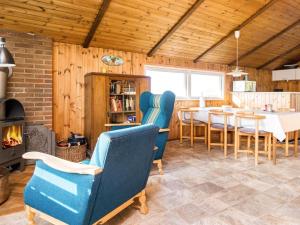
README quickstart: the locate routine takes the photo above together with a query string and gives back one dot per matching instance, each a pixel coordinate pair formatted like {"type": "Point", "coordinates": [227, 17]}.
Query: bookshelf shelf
{"type": "Point", "coordinates": [122, 112]}
{"type": "Point", "coordinates": [111, 94]}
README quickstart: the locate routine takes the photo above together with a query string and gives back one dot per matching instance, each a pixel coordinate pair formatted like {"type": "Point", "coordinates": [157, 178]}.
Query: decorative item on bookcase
{"type": "Point", "coordinates": [129, 88]}
{"type": "Point", "coordinates": [131, 118]}
{"type": "Point", "coordinates": [74, 149]}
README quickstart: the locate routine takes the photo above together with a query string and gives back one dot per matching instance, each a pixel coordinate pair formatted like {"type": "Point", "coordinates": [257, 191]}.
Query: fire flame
{"type": "Point", "coordinates": [12, 136]}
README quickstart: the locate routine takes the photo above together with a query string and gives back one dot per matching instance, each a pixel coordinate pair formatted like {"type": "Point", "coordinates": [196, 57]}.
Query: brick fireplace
{"type": "Point", "coordinates": [31, 82]}
{"type": "Point", "coordinates": [31, 88]}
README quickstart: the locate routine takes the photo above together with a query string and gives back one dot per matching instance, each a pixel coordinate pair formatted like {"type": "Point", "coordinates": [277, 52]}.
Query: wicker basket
{"type": "Point", "coordinates": [71, 153]}
{"type": "Point", "coordinates": [4, 184]}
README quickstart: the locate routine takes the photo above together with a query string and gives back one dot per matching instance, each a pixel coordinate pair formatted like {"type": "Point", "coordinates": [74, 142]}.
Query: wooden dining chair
{"type": "Point", "coordinates": [223, 128]}
{"type": "Point", "coordinates": [286, 144]}
{"type": "Point", "coordinates": [295, 145]}
{"type": "Point", "coordinates": [193, 125]}
{"type": "Point", "coordinates": [241, 131]}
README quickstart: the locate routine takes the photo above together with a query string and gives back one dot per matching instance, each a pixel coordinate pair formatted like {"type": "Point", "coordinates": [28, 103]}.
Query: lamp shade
{"type": "Point", "coordinates": [6, 59]}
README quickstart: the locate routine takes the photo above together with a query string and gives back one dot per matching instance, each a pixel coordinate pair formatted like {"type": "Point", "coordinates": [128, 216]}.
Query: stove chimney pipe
{"type": "Point", "coordinates": [6, 64]}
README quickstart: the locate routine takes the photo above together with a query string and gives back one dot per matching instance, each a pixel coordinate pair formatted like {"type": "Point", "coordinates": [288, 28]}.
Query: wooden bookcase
{"type": "Point", "coordinates": [111, 98]}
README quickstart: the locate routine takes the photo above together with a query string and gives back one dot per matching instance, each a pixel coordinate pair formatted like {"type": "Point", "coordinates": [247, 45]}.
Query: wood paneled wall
{"type": "Point", "coordinates": [72, 62]}
{"type": "Point", "coordinates": [252, 100]}
{"type": "Point", "coordinates": [292, 85]}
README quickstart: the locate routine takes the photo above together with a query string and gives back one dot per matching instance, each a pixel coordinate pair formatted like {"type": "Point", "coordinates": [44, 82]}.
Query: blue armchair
{"type": "Point", "coordinates": [64, 192]}
{"type": "Point", "coordinates": [157, 110]}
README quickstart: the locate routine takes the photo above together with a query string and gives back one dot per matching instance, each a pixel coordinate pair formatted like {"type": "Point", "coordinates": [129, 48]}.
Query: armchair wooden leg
{"type": "Point", "coordinates": [30, 215]}
{"type": "Point", "coordinates": [159, 166]}
{"type": "Point", "coordinates": [143, 201]}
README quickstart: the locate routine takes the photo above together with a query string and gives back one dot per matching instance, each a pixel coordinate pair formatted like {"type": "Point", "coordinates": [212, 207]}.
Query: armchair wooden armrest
{"type": "Point", "coordinates": [121, 124]}
{"type": "Point", "coordinates": [63, 165]}
{"type": "Point", "coordinates": [132, 124]}
{"type": "Point", "coordinates": [162, 130]}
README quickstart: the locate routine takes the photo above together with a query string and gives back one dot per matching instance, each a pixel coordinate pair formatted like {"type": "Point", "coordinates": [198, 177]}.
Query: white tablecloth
{"type": "Point", "coordinates": [278, 123]}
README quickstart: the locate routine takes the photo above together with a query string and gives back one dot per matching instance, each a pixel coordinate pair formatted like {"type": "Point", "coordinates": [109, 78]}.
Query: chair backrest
{"type": "Point", "coordinates": [248, 116]}
{"type": "Point", "coordinates": [218, 113]}
{"type": "Point", "coordinates": [157, 109]}
{"type": "Point", "coordinates": [126, 157]}
{"type": "Point", "coordinates": [286, 110]}
{"type": "Point", "coordinates": [181, 112]}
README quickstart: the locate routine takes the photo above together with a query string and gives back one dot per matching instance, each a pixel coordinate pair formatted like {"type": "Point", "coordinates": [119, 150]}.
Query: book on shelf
{"type": "Point", "coordinates": [129, 104]}
{"type": "Point", "coordinates": [116, 105]}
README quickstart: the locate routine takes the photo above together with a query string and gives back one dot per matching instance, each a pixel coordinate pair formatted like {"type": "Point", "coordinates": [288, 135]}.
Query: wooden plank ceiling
{"type": "Point", "coordinates": [191, 29]}
{"type": "Point", "coordinates": [65, 21]}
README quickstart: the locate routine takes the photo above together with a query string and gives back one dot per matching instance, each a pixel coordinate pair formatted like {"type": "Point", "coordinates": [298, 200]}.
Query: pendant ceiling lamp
{"type": "Point", "coordinates": [237, 72]}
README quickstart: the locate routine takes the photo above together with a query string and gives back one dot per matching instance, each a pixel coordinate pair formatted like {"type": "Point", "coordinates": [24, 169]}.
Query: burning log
{"type": "Point", "coordinates": [12, 136]}
{"type": "Point", "coordinates": [10, 143]}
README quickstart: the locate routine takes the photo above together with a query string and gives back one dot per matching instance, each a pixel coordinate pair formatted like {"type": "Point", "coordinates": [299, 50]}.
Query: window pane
{"type": "Point", "coordinates": [208, 85]}
{"type": "Point", "coordinates": [162, 80]}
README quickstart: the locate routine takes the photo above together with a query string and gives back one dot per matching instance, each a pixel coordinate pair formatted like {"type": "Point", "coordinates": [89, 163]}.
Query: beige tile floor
{"type": "Point", "coordinates": [206, 189]}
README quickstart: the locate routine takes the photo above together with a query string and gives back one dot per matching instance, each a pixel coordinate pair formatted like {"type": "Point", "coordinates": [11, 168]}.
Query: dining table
{"type": "Point", "coordinates": [276, 122]}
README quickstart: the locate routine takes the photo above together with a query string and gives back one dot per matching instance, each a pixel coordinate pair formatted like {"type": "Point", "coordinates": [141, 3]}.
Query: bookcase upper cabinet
{"type": "Point", "coordinates": [111, 98]}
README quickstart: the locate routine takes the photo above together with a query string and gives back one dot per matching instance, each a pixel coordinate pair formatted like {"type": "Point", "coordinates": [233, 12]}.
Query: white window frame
{"type": "Point", "coordinates": [188, 73]}
{"type": "Point", "coordinates": [210, 73]}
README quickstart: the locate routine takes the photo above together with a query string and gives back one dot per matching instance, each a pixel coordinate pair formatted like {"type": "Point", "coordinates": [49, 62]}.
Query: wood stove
{"type": "Point", "coordinates": [12, 133]}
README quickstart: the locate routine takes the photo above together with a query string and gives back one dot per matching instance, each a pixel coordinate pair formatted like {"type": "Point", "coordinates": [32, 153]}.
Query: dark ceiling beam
{"type": "Point", "coordinates": [239, 27]}
{"type": "Point", "coordinates": [278, 57]}
{"type": "Point", "coordinates": [267, 41]}
{"type": "Point", "coordinates": [290, 62]}
{"type": "Point", "coordinates": [175, 27]}
{"type": "Point", "coordinates": [96, 23]}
